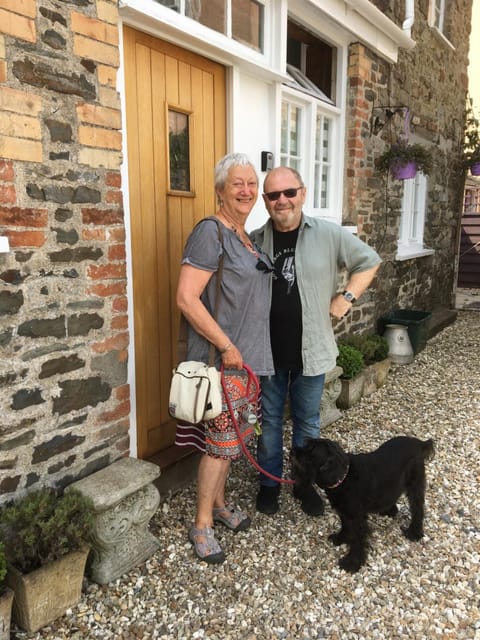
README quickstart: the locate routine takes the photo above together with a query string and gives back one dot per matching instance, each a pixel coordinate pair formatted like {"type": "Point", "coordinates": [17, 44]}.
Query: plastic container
{"type": "Point", "coordinates": [415, 321]}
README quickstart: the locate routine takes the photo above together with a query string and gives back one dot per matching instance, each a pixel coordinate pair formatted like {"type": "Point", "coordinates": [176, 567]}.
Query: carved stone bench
{"type": "Point", "coordinates": [125, 500]}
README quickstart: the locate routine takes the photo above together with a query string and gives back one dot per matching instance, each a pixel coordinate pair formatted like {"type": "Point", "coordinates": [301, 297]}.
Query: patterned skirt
{"type": "Point", "coordinates": [218, 437]}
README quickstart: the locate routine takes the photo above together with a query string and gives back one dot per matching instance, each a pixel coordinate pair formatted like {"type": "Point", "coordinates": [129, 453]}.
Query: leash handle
{"type": "Point", "coordinates": [252, 378]}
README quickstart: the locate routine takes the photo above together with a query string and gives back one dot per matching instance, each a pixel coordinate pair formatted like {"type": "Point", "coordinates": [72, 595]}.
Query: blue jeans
{"type": "Point", "coordinates": [305, 393]}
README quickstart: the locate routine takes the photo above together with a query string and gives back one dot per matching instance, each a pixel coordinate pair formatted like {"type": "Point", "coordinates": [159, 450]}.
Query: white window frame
{"type": "Point", "coordinates": [310, 106]}
{"type": "Point", "coordinates": [412, 222]}
{"type": "Point", "coordinates": [436, 19]}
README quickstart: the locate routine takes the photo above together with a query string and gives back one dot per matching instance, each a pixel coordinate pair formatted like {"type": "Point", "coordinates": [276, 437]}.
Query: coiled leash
{"type": "Point", "coordinates": [252, 380]}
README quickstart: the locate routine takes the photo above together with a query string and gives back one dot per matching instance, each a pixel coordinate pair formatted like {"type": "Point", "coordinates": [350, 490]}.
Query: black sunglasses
{"type": "Point", "coordinates": [288, 193]}
{"type": "Point", "coordinates": [264, 267]}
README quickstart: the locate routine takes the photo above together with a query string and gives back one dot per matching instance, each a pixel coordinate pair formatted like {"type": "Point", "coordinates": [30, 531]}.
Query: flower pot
{"type": "Point", "coordinates": [351, 392]}
{"type": "Point", "coordinates": [46, 593]}
{"type": "Point", "coordinates": [6, 599]}
{"type": "Point", "coordinates": [475, 169]}
{"type": "Point", "coordinates": [403, 171]}
{"type": "Point", "coordinates": [375, 375]}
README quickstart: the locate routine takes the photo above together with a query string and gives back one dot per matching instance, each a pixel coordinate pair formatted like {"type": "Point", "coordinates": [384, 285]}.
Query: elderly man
{"type": "Point", "coordinates": [308, 254]}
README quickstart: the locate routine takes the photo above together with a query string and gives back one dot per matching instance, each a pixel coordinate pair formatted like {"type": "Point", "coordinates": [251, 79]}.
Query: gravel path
{"type": "Point", "coordinates": [281, 579]}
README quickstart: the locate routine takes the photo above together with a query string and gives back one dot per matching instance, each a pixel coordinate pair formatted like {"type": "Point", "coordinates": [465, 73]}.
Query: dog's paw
{"type": "Point", "coordinates": [412, 533]}
{"type": "Point", "coordinates": [350, 564]}
{"type": "Point", "coordinates": [337, 538]}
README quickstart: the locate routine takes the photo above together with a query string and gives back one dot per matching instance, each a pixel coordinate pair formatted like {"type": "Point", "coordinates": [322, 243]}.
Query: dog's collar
{"type": "Point", "coordinates": [339, 482]}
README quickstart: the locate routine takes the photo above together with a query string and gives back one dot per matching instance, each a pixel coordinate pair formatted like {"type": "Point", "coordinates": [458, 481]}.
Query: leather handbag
{"type": "Point", "coordinates": [195, 392]}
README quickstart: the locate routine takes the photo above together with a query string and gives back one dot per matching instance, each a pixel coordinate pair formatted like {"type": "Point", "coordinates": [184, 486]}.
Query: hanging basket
{"type": "Point", "coordinates": [403, 171]}
{"type": "Point", "coordinates": [475, 169]}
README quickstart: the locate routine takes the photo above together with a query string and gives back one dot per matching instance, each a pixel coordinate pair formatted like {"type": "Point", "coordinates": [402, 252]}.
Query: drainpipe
{"type": "Point", "coordinates": [409, 15]}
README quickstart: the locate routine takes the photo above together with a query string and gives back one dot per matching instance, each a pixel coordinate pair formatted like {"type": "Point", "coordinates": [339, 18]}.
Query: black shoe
{"type": "Point", "coordinates": [312, 503]}
{"type": "Point", "coordinates": [267, 499]}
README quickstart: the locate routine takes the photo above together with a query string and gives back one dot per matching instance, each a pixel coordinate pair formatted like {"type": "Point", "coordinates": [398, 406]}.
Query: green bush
{"type": "Point", "coordinates": [43, 526]}
{"type": "Point", "coordinates": [373, 347]}
{"type": "Point", "coordinates": [351, 361]}
{"type": "Point", "coordinates": [3, 567]}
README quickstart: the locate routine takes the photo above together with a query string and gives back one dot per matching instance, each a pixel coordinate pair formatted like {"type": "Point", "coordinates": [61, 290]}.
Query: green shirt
{"type": "Point", "coordinates": [323, 250]}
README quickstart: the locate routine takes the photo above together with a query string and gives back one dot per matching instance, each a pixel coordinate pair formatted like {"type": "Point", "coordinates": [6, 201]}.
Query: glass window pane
{"type": "Point", "coordinates": [284, 132]}
{"type": "Point", "coordinates": [294, 129]}
{"type": "Point", "coordinates": [247, 22]}
{"type": "Point", "coordinates": [171, 4]}
{"type": "Point", "coordinates": [210, 13]}
{"type": "Point", "coordinates": [179, 150]}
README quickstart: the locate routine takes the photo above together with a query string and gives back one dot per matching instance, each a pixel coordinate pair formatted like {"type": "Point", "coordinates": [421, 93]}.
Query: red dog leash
{"type": "Point", "coordinates": [252, 379]}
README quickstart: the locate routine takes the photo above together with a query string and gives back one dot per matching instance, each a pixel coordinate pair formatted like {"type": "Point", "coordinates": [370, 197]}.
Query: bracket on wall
{"type": "Point", "coordinates": [382, 115]}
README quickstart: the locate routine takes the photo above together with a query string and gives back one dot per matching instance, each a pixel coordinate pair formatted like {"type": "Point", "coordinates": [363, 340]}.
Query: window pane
{"type": "Point", "coordinates": [284, 133]}
{"type": "Point", "coordinates": [210, 13]}
{"type": "Point", "coordinates": [294, 129]}
{"type": "Point", "coordinates": [171, 4]}
{"type": "Point", "coordinates": [247, 21]}
{"type": "Point", "coordinates": [179, 151]}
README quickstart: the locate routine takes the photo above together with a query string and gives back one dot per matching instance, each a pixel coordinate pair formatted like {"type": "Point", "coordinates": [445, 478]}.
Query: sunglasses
{"type": "Point", "coordinates": [263, 266]}
{"type": "Point", "coordinates": [288, 193]}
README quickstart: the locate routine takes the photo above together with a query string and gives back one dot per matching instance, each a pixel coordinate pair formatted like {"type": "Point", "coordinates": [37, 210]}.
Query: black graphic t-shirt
{"type": "Point", "coordinates": [286, 309]}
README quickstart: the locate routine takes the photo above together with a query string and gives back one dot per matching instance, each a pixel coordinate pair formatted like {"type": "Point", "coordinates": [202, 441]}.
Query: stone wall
{"type": "Point", "coordinates": [64, 398]}
{"type": "Point", "coordinates": [431, 81]}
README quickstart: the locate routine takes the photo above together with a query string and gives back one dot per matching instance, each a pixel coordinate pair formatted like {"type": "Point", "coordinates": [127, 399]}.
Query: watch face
{"type": "Point", "coordinates": [349, 296]}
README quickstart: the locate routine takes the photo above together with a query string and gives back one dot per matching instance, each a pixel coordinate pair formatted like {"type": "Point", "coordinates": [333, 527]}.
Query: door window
{"type": "Point", "coordinates": [179, 150]}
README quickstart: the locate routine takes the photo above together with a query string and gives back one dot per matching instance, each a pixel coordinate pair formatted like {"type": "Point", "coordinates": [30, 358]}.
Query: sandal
{"type": "Point", "coordinates": [205, 545]}
{"type": "Point", "coordinates": [231, 518]}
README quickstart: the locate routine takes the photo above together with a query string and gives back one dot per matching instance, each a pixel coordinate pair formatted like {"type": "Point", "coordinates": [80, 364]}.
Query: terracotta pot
{"type": "Point", "coordinates": [403, 171]}
{"type": "Point", "coordinates": [6, 599]}
{"type": "Point", "coordinates": [46, 593]}
{"type": "Point", "coordinates": [475, 169]}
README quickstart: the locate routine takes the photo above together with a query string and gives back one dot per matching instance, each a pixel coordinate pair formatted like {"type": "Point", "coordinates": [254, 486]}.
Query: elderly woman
{"type": "Point", "coordinates": [240, 334]}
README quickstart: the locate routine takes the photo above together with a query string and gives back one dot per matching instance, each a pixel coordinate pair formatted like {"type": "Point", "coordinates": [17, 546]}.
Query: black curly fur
{"type": "Point", "coordinates": [363, 483]}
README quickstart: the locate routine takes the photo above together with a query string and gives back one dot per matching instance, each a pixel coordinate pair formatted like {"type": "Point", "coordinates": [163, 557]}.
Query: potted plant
{"type": "Point", "coordinates": [350, 359]}
{"type": "Point", "coordinates": [403, 160]}
{"type": "Point", "coordinates": [47, 538]}
{"type": "Point", "coordinates": [6, 598]}
{"type": "Point", "coordinates": [472, 140]}
{"type": "Point", "coordinates": [374, 349]}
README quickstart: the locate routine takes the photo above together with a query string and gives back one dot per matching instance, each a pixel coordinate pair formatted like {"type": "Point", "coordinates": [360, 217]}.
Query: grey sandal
{"type": "Point", "coordinates": [232, 518]}
{"type": "Point", "coordinates": [205, 545]}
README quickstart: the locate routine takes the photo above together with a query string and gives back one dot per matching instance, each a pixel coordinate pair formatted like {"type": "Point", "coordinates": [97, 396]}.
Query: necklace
{"type": "Point", "coordinates": [240, 233]}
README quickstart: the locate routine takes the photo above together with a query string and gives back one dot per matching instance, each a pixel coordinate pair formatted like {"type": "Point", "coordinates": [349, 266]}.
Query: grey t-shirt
{"type": "Point", "coordinates": [244, 305]}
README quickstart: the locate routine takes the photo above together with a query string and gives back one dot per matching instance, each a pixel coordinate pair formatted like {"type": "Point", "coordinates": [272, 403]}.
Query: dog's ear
{"type": "Point", "coordinates": [331, 462]}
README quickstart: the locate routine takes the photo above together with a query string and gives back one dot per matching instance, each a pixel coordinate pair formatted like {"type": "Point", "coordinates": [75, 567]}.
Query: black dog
{"type": "Point", "coordinates": [359, 484]}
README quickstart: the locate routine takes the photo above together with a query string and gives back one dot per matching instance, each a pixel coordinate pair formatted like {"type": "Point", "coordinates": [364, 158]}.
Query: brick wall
{"type": "Point", "coordinates": [64, 398]}
{"type": "Point", "coordinates": [431, 81]}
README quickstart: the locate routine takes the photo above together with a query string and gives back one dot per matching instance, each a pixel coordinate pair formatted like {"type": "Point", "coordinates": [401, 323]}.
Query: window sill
{"type": "Point", "coordinates": [413, 253]}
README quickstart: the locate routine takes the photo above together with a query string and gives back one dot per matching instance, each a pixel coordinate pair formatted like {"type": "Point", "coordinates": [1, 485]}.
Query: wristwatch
{"type": "Point", "coordinates": [349, 297]}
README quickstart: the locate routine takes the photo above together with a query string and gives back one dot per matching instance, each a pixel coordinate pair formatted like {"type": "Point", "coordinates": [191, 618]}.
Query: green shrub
{"type": "Point", "coordinates": [373, 347]}
{"type": "Point", "coordinates": [43, 526]}
{"type": "Point", "coordinates": [3, 567]}
{"type": "Point", "coordinates": [351, 361]}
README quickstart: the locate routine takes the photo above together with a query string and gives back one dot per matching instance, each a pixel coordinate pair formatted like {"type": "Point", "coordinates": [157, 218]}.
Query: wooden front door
{"type": "Point", "coordinates": [175, 108]}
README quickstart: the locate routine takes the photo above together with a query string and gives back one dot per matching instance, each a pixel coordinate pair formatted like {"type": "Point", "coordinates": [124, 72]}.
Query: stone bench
{"type": "Point", "coordinates": [329, 411]}
{"type": "Point", "coordinates": [125, 500]}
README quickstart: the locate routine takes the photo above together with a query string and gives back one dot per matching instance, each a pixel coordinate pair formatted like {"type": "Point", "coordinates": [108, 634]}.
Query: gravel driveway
{"type": "Point", "coordinates": [281, 579]}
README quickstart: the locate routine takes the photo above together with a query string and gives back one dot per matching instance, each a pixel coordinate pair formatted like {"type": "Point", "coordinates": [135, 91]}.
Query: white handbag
{"type": "Point", "coordinates": [195, 392]}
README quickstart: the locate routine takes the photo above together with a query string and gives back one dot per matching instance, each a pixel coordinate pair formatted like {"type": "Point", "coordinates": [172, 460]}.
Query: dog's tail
{"type": "Point", "coordinates": [428, 449]}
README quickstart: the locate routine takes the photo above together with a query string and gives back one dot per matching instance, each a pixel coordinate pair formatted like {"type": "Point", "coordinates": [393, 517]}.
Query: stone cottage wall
{"type": "Point", "coordinates": [431, 81]}
{"type": "Point", "coordinates": [64, 398]}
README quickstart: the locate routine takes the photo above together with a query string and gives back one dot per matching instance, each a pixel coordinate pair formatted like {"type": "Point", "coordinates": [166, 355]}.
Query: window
{"type": "Point", "coordinates": [412, 223]}
{"type": "Point", "coordinates": [241, 20]}
{"type": "Point", "coordinates": [179, 150]}
{"type": "Point", "coordinates": [310, 120]}
{"type": "Point", "coordinates": [439, 18]}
